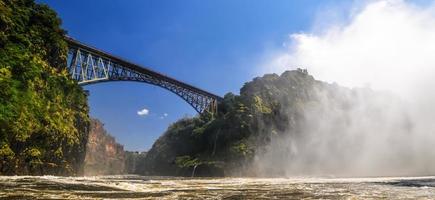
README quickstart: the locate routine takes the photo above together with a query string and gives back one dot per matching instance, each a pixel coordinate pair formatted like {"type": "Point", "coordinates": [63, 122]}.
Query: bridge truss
{"type": "Point", "coordinates": [88, 65]}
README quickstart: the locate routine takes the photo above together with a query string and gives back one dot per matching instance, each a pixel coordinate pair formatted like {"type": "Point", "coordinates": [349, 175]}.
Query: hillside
{"type": "Point", "coordinates": [273, 128]}
{"type": "Point", "coordinates": [43, 113]}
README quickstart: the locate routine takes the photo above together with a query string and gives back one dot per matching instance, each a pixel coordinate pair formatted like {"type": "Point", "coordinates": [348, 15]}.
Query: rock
{"type": "Point", "coordinates": [104, 156]}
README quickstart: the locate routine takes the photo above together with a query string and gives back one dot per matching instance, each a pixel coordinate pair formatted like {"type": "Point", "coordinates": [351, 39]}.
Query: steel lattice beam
{"type": "Point", "coordinates": [88, 65]}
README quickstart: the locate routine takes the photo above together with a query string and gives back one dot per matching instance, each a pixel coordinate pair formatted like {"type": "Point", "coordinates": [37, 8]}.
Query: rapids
{"type": "Point", "coordinates": [141, 187]}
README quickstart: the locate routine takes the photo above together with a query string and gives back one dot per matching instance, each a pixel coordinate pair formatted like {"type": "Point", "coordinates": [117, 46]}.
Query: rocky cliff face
{"type": "Point", "coordinates": [104, 155]}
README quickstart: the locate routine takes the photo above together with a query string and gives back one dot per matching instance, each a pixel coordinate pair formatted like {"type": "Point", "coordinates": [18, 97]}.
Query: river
{"type": "Point", "coordinates": [140, 187]}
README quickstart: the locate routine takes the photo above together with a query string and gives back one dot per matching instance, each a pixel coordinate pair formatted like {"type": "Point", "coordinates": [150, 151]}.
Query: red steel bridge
{"type": "Point", "coordinates": [89, 65]}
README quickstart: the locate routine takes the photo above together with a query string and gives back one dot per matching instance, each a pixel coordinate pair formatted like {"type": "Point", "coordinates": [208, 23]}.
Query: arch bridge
{"type": "Point", "coordinates": [89, 65]}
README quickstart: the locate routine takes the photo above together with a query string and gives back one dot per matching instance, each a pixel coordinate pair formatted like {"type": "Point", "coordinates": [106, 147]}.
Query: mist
{"type": "Point", "coordinates": [385, 52]}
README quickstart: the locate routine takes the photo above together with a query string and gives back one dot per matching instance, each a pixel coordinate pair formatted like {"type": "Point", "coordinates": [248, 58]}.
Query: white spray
{"type": "Point", "coordinates": [386, 45]}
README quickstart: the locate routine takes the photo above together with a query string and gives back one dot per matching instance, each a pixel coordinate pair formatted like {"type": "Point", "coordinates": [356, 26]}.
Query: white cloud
{"type": "Point", "coordinates": [143, 112]}
{"type": "Point", "coordinates": [386, 44]}
{"type": "Point", "coordinates": [164, 116]}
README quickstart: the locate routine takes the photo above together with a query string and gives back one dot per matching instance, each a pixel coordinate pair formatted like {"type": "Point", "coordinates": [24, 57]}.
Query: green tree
{"type": "Point", "coordinates": [43, 113]}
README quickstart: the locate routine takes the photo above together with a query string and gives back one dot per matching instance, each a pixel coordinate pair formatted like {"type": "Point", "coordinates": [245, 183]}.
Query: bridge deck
{"type": "Point", "coordinates": [89, 65]}
{"type": "Point", "coordinates": [74, 43]}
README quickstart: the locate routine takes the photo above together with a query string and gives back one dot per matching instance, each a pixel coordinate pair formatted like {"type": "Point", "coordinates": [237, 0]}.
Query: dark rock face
{"type": "Point", "coordinates": [104, 155]}
{"type": "Point", "coordinates": [132, 158]}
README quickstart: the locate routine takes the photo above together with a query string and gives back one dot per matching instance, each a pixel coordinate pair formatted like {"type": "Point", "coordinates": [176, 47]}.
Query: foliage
{"type": "Point", "coordinates": [43, 113]}
{"type": "Point", "coordinates": [186, 161]}
{"type": "Point", "coordinates": [269, 108]}
{"type": "Point", "coordinates": [227, 142]}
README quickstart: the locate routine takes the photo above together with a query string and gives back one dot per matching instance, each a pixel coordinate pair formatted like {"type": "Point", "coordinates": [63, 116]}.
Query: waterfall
{"type": "Point", "coordinates": [193, 172]}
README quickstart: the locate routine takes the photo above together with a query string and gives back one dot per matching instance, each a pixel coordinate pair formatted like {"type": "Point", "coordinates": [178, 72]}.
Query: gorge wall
{"type": "Point", "coordinates": [104, 156]}
{"type": "Point", "coordinates": [132, 160]}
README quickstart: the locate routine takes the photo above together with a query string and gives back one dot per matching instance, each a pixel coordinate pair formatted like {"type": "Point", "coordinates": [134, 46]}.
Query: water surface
{"type": "Point", "coordinates": [140, 187]}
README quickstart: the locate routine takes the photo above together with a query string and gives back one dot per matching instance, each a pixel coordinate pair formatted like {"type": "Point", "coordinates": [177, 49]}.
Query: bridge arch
{"type": "Point", "coordinates": [88, 65]}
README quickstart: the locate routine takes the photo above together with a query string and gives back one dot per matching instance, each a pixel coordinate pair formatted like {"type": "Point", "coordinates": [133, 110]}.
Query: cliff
{"type": "Point", "coordinates": [104, 155]}
{"type": "Point", "coordinates": [132, 161]}
{"type": "Point", "coordinates": [279, 124]}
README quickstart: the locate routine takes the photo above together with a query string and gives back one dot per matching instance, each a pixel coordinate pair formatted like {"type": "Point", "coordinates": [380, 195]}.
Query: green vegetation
{"type": "Point", "coordinates": [43, 113]}
{"type": "Point", "coordinates": [269, 109]}
{"type": "Point", "coordinates": [226, 144]}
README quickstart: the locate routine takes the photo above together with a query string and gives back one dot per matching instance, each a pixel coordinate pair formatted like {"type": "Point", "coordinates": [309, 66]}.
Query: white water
{"type": "Point", "coordinates": [139, 187]}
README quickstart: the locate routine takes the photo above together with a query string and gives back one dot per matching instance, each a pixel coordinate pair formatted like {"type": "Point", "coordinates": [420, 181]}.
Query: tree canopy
{"type": "Point", "coordinates": [43, 113]}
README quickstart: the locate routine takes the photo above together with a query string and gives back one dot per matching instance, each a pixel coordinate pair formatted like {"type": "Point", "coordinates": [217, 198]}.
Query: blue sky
{"type": "Point", "coordinates": [214, 45]}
